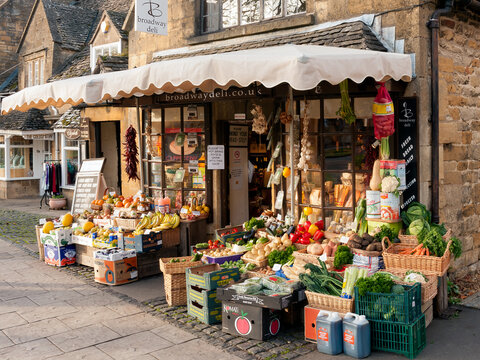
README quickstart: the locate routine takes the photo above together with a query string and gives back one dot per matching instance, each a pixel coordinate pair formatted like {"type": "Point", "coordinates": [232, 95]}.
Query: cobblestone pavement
{"type": "Point", "coordinates": [18, 227]}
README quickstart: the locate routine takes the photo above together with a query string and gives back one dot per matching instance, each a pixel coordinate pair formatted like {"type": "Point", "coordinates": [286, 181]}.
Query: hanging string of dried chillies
{"type": "Point", "coordinates": [345, 111]}
{"type": "Point", "coordinates": [131, 153]}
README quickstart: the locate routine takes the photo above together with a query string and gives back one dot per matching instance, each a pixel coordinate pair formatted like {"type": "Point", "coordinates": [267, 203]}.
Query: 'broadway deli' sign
{"type": "Point", "coordinates": [231, 93]}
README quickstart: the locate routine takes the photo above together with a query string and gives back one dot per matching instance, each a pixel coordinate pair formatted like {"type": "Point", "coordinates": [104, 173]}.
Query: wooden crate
{"type": "Point", "coordinates": [171, 238]}
{"type": "Point", "coordinates": [85, 255]}
{"type": "Point", "coordinates": [149, 263]}
{"type": "Point", "coordinates": [41, 250]}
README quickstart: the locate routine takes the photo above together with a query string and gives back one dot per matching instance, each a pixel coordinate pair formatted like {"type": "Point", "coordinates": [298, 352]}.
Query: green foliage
{"type": "Point", "coordinates": [378, 283]}
{"type": "Point", "coordinates": [254, 223]}
{"type": "Point", "coordinates": [385, 231]}
{"type": "Point", "coordinates": [434, 242]}
{"type": "Point", "coordinates": [416, 211]}
{"type": "Point", "coordinates": [456, 247]}
{"type": "Point", "coordinates": [280, 257]}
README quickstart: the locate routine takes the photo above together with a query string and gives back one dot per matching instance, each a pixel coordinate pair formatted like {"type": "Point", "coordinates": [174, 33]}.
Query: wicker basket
{"type": "Point", "coordinates": [428, 265]}
{"type": "Point", "coordinates": [258, 264]}
{"type": "Point", "coordinates": [169, 268]}
{"type": "Point", "coordinates": [412, 239]}
{"type": "Point", "coordinates": [330, 302]}
{"type": "Point", "coordinates": [300, 246]}
{"type": "Point", "coordinates": [429, 289]}
{"type": "Point", "coordinates": [366, 253]}
{"type": "Point", "coordinates": [127, 224]}
{"type": "Point", "coordinates": [171, 238]}
{"type": "Point", "coordinates": [175, 289]}
{"type": "Point", "coordinates": [309, 258]}
{"type": "Point", "coordinates": [252, 273]}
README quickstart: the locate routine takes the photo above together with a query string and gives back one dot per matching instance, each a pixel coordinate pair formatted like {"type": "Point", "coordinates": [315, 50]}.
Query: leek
{"type": "Point", "coordinates": [384, 148]}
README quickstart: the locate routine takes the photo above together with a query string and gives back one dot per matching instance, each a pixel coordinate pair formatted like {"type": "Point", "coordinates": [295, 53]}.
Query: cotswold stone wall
{"type": "Point", "coordinates": [13, 17]}
{"type": "Point", "coordinates": [459, 66]}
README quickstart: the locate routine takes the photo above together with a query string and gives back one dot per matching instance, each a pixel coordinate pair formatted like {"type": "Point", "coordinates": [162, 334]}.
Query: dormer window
{"type": "Point", "coordinates": [104, 50]}
{"type": "Point", "coordinates": [217, 15]}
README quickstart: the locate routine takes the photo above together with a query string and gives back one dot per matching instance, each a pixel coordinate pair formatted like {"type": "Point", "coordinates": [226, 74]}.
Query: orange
{"type": "Point", "coordinates": [127, 204]}
{"type": "Point", "coordinates": [94, 202]}
{"type": "Point", "coordinates": [105, 197]}
{"type": "Point", "coordinates": [119, 204]}
{"type": "Point", "coordinates": [100, 202]}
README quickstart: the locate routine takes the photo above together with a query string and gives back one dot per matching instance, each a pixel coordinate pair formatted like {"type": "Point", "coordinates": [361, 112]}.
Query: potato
{"type": "Point", "coordinates": [281, 248]}
{"type": "Point", "coordinates": [261, 253]}
{"type": "Point", "coordinates": [371, 247]}
{"type": "Point", "coordinates": [277, 241]}
{"type": "Point", "coordinates": [254, 251]}
{"type": "Point", "coordinates": [328, 250]}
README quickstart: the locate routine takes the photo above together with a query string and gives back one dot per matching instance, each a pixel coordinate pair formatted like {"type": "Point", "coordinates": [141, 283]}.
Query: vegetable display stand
{"type": "Point", "coordinates": [394, 307]}
{"type": "Point", "coordinates": [404, 339]}
{"type": "Point", "coordinates": [211, 276]}
{"type": "Point", "coordinates": [330, 302]}
{"type": "Point", "coordinates": [428, 265]}
{"type": "Point", "coordinates": [310, 258]}
{"type": "Point", "coordinates": [428, 312]}
{"type": "Point", "coordinates": [172, 268]}
{"type": "Point", "coordinates": [175, 289]}
{"type": "Point", "coordinates": [429, 289]}
{"type": "Point", "coordinates": [41, 252]}
{"type": "Point", "coordinates": [127, 224]}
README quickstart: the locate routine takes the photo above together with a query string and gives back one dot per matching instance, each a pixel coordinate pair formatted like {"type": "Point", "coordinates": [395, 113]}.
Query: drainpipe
{"type": "Point", "coordinates": [434, 25]}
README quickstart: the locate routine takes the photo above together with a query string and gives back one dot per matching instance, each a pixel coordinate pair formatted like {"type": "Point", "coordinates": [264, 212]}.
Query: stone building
{"type": "Point", "coordinates": [13, 17]}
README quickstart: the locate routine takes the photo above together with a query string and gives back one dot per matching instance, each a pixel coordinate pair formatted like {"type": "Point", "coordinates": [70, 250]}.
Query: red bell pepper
{"type": "Point", "coordinates": [304, 241]}
{"type": "Point", "coordinates": [320, 224]}
{"type": "Point", "coordinates": [300, 228]}
{"type": "Point", "coordinates": [318, 235]}
{"type": "Point", "coordinates": [306, 225]}
{"type": "Point", "coordinates": [294, 237]}
{"type": "Point", "coordinates": [306, 235]}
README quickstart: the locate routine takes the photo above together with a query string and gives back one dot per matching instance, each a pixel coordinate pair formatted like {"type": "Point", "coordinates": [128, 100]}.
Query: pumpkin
{"type": "Point", "coordinates": [67, 220]}
{"type": "Point", "coordinates": [376, 180]}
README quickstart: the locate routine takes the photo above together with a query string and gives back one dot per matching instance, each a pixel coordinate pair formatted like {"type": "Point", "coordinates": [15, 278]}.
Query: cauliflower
{"type": "Point", "coordinates": [390, 184]}
{"type": "Point", "coordinates": [414, 277]}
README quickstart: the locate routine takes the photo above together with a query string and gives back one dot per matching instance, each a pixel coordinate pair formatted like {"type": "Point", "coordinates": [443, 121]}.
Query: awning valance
{"type": "Point", "coordinates": [301, 66]}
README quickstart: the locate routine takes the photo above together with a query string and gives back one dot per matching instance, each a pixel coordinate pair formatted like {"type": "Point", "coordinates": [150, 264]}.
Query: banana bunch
{"type": "Point", "coordinates": [157, 222]}
{"type": "Point", "coordinates": [168, 222]}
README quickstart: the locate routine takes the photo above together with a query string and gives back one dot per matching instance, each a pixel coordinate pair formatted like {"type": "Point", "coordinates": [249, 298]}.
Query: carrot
{"type": "Point", "coordinates": [428, 252]}
{"type": "Point", "coordinates": [423, 251]}
{"type": "Point", "coordinates": [405, 252]}
{"type": "Point", "coordinates": [416, 251]}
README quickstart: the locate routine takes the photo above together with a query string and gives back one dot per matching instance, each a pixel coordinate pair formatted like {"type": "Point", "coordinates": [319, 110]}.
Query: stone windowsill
{"type": "Point", "coordinates": [257, 28]}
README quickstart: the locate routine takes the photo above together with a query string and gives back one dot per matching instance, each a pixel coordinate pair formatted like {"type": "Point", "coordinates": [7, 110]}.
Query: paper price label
{"type": "Point", "coordinates": [133, 274]}
{"type": "Point", "coordinates": [148, 231]}
{"type": "Point", "coordinates": [196, 213]}
{"type": "Point", "coordinates": [276, 267]}
{"type": "Point", "coordinates": [183, 211]}
{"type": "Point", "coordinates": [323, 257]}
{"type": "Point", "coordinates": [344, 239]}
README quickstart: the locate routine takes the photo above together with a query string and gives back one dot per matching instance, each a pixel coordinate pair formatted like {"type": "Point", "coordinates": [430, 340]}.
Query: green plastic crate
{"type": "Point", "coordinates": [203, 297]}
{"type": "Point", "coordinates": [205, 314]}
{"type": "Point", "coordinates": [399, 308]}
{"type": "Point", "coordinates": [404, 339]}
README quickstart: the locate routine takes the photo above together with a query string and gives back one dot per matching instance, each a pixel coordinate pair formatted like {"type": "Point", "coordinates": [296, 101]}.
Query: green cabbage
{"type": "Point", "coordinates": [414, 212]}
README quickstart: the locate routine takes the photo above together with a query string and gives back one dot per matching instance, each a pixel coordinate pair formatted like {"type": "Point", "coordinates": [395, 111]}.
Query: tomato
{"type": "Point", "coordinates": [222, 245]}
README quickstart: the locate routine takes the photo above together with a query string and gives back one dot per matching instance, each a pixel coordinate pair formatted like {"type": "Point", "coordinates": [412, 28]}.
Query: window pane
{"type": "Point", "coordinates": [272, 8]}
{"type": "Point", "coordinates": [229, 13]}
{"type": "Point", "coordinates": [2, 162]}
{"type": "Point", "coordinates": [210, 15]}
{"type": "Point", "coordinates": [194, 118]}
{"type": "Point", "coordinates": [72, 166]}
{"type": "Point", "coordinates": [2, 139]}
{"type": "Point", "coordinates": [250, 11]}
{"type": "Point", "coordinates": [338, 152]}
{"type": "Point", "coordinates": [171, 143]}
{"type": "Point", "coordinates": [71, 143]}
{"type": "Point", "coordinates": [18, 140]}
{"type": "Point", "coordinates": [170, 171]}
{"type": "Point", "coordinates": [363, 148]}
{"type": "Point", "coordinates": [295, 6]}
{"type": "Point", "coordinates": [156, 174]}
{"type": "Point", "coordinates": [21, 162]}
{"type": "Point", "coordinates": [156, 121]}
{"type": "Point", "coordinates": [199, 195]}
{"type": "Point", "coordinates": [194, 177]}
{"type": "Point", "coordinates": [175, 198]}
{"type": "Point", "coordinates": [194, 148]}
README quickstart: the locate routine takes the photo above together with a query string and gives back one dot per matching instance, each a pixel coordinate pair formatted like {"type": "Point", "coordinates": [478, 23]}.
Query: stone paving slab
{"type": "Point", "coordinates": [193, 349]}
{"type": "Point", "coordinates": [19, 305]}
{"type": "Point", "coordinates": [173, 334]}
{"type": "Point", "coordinates": [83, 337]}
{"type": "Point", "coordinates": [472, 301]}
{"type": "Point", "coordinates": [46, 312]}
{"type": "Point", "coordinates": [9, 320]}
{"type": "Point", "coordinates": [88, 315]}
{"type": "Point", "coordinates": [133, 345]}
{"type": "Point", "coordinates": [132, 324]}
{"type": "Point", "coordinates": [35, 330]}
{"type": "Point", "coordinates": [4, 340]}
{"type": "Point", "coordinates": [90, 353]}
{"type": "Point", "coordinates": [33, 350]}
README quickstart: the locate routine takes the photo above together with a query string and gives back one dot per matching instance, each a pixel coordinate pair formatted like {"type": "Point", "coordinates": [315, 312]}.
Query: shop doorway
{"type": "Point", "coordinates": [107, 145]}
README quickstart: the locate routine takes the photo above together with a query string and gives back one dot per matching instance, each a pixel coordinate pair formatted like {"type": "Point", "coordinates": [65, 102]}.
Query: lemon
{"type": "Point", "coordinates": [88, 226]}
{"type": "Point", "coordinates": [286, 172]}
{"type": "Point", "coordinates": [67, 220]}
{"type": "Point", "coordinates": [47, 227]}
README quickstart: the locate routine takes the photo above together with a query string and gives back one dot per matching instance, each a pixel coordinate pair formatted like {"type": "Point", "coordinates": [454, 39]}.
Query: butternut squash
{"type": "Point", "coordinates": [376, 180]}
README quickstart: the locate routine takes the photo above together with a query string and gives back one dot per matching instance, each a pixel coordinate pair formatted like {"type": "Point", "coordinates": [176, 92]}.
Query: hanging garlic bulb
{"type": "Point", "coordinates": [259, 121]}
{"type": "Point", "coordinates": [305, 152]}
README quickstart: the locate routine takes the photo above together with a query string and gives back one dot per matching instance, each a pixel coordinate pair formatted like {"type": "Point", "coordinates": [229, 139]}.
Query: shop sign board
{"type": "Point", "coordinates": [84, 129]}
{"type": "Point", "coordinates": [238, 136]}
{"type": "Point", "coordinates": [151, 16]}
{"type": "Point", "coordinates": [218, 94]}
{"type": "Point", "coordinates": [215, 157]}
{"type": "Point", "coordinates": [72, 134]}
{"type": "Point", "coordinates": [408, 140]}
{"type": "Point", "coordinates": [86, 187]}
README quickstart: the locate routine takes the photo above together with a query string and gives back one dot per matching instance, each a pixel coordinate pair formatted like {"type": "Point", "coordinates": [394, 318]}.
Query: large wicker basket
{"type": "Point", "coordinates": [429, 289]}
{"type": "Point", "coordinates": [175, 289]}
{"type": "Point", "coordinates": [127, 224]}
{"type": "Point", "coordinates": [412, 239]}
{"type": "Point", "coordinates": [171, 238]}
{"type": "Point", "coordinates": [428, 265]}
{"type": "Point", "coordinates": [330, 302]}
{"type": "Point", "coordinates": [309, 258]}
{"type": "Point", "coordinates": [258, 264]}
{"type": "Point", "coordinates": [177, 267]}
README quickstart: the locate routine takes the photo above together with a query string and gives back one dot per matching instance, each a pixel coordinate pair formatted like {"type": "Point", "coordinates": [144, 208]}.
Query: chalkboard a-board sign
{"type": "Point", "coordinates": [86, 187]}
{"type": "Point", "coordinates": [408, 146]}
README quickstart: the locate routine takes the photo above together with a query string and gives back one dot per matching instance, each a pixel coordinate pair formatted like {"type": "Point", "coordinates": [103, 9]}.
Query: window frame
{"type": "Point", "coordinates": [64, 159]}
{"type": "Point", "coordinates": [148, 161]}
{"type": "Point", "coordinates": [109, 47]}
{"type": "Point", "coordinates": [220, 27]}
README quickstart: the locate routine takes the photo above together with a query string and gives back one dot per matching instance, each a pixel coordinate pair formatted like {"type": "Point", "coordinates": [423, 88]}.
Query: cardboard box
{"type": "Point", "coordinates": [212, 276]}
{"type": "Point", "coordinates": [269, 302]}
{"type": "Point", "coordinates": [250, 321]}
{"type": "Point", "coordinates": [205, 314]}
{"type": "Point", "coordinates": [105, 244]}
{"type": "Point", "coordinates": [82, 240]}
{"type": "Point", "coordinates": [141, 243]}
{"type": "Point", "coordinates": [114, 254]}
{"type": "Point", "coordinates": [57, 237]}
{"type": "Point", "coordinates": [115, 272]}
{"type": "Point", "coordinates": [59, 255]}
{"type": "Point", "coordinates": [202, 297]}
{"type": "Point", "coordinates": [84, 255]}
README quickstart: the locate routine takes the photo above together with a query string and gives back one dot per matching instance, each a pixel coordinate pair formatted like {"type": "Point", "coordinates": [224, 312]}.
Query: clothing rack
{"type": "Point", "coordinates": [49, 177]}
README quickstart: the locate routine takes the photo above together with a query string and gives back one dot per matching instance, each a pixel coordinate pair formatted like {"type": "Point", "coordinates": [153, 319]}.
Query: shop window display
{"type": "Point", "coordinates": [20, 157]}
{"type": "Point", "coordinates": [175, 146]}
